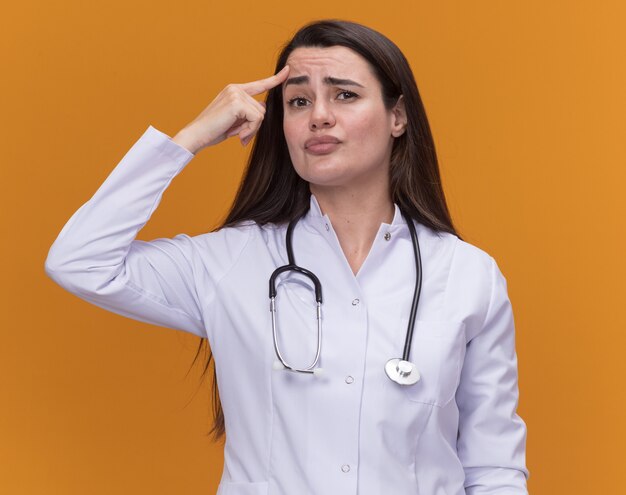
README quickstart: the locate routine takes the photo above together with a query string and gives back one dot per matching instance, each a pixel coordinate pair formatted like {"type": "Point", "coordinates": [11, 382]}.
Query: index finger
{"type": "Point", "coordinates": [262, 85]}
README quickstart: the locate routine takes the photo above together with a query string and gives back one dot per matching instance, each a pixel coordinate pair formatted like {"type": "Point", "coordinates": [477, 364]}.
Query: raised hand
{"type": "Point", "coordinates": [233, 112]}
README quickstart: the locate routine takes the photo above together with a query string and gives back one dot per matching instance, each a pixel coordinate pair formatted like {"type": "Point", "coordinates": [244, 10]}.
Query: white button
{"type": "Point", "coordinates": [345, 468]}
{"type": "Point", "coordinates": [327, 227]}
{"type": "Point", "coordinates": [387, 236]}
{"type": "Point", "coordinates": [349, 379]}
{"type": "Point", "coordinates": [355, 302]}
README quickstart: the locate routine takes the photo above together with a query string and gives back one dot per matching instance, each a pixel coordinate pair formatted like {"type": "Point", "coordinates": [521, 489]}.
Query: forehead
{"type": "Point", "coordinates": [336, 61]}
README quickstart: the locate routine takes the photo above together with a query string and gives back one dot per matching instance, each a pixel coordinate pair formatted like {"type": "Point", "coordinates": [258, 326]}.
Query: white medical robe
{"type": "Point", "coordinates": [351, 430]}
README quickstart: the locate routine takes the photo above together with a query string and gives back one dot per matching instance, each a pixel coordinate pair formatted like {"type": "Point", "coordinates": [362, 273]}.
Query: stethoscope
{"type": "Point", "coordinates": [400, 370]}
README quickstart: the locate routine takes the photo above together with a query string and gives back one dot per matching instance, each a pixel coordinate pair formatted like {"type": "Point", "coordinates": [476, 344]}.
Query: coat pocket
{"type": "Point", "coordinates": [437, 350]}
{"type": "Point", "coordinates": [243, 488]}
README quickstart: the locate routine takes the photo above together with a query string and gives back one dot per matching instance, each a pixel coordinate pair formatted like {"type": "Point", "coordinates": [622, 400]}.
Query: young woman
{"type": "Point", "coordinates": [386, 362]}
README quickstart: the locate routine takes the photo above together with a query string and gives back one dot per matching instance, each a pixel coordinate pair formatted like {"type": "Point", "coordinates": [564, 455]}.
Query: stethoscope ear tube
{"type": "Point", "coordinates": [291, 266]}
{"type": "Point", "coordinates": [311, 368]}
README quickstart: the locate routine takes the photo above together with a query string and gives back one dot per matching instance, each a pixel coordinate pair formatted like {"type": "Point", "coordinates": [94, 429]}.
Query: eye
{"type": "Point", "coordinates": [349, 93]}
{"type": "Point", "coordinates": [293, 100]}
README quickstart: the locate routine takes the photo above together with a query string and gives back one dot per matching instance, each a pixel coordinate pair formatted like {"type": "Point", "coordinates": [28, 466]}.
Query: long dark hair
{"type": "Point", "coordinates": [272, 191]}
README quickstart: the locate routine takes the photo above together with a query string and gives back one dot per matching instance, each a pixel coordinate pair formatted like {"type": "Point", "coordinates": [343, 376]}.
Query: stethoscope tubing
{"type": "Point", "coordinates": [402, 370]}
{"type": "Point", "coordinates": [418, 287]}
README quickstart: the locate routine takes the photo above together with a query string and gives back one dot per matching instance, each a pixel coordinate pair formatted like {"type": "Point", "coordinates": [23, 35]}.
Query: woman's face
{"type": "Point", "coordinates": [332, 93]}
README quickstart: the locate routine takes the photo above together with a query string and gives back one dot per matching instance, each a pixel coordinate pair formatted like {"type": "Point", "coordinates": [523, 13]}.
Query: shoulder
{"type": "Point", "coordinates": [477, 269]}
{"type": "Point", "coordinates": [234, 240]}
{"type": "Point", "coordinates": [474, 279]}
{"type": "Point", "coordinates": [470, 259]}
{"type": "Point", "coordinates": [221, 247]}
{"type": "Point", "coordinates": [231, 238]}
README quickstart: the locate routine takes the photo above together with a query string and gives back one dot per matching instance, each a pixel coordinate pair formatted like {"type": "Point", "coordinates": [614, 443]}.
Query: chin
{"type": "Point", "coordinates": [328, 176]}
{"type": "Point", "coordinates": [321, 170]}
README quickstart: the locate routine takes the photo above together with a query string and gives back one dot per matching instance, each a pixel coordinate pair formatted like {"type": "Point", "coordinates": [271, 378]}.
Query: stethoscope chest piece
{"type": "Point", "coordinates": [402, 372]}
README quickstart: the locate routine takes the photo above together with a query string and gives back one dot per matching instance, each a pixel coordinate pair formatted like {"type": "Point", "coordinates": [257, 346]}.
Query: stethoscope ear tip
{"type": "Point", "coordinates": [318, 372]}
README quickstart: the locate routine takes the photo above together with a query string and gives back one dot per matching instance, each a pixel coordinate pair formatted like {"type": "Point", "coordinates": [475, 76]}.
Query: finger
{"type": "Point", "coordinates": [235, 130]}
{"type": "Point", "coordinates": [251, 122]}
{"type": "Point", "coordinates": [248, 133]}
{"type": "Point", "coordinates": [253, 127]}
{"type": "Point", "coordinates": [235, 95]}
{"type": "Point", "coordinates": [262, 85]}
{"type": "Point", "coordinates": [259, 105]}
{"type": "Point", "coordinates": [247, 139]}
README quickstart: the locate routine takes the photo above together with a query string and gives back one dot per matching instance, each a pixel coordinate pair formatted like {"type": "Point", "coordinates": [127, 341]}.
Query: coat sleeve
{"type": "Point", "coordinates": [97, 258]}
{"type": "Point", "coordinates": [491, 442]}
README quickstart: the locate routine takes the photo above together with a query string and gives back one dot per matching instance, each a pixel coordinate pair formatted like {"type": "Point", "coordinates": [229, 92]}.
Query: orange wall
{"type": "Point", "coordinates": [527, 105]}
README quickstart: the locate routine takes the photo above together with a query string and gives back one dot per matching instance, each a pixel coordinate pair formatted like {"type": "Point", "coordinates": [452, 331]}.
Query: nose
{"type": "Point", "coordinates": [321, 116]}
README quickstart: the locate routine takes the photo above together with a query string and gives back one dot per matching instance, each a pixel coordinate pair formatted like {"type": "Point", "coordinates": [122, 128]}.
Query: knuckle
{"type": "Point", "coordinates": [231, 89]}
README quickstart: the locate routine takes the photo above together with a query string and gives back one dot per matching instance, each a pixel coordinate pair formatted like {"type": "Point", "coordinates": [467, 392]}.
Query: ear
{"type": "Point", "coordinates": [399, 120]}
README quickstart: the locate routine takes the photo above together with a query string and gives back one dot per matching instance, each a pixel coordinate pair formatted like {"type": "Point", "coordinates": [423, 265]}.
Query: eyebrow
{"type": "Point", "coordinates": [331, 81]}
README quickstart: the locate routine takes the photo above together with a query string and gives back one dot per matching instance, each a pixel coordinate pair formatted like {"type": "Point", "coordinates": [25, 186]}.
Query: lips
{"type": "Point", "coordinates": [321, 140]}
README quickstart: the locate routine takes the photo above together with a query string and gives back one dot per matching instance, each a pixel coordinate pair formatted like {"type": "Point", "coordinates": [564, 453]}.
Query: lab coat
{"type": "Point", "coordinates": [351, 430]}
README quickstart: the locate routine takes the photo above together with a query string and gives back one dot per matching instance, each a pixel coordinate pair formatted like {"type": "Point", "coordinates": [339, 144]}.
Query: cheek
{"type": "Point", "coordinates": [369, 132]}
{"type": "Point", "coordinates": [290, 129]}
{"type": "Point", "coordinates": [293, 139]}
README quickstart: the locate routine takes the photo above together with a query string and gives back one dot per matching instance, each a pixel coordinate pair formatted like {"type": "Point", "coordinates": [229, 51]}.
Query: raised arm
{"type": "Point", "coordinates": [97, 258]}
{"type": "Point", "coordinates": [96, 255]}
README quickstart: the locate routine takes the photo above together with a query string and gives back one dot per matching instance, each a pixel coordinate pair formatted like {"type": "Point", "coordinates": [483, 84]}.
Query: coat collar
{"type": "Point", "coordinates": [319, 222]}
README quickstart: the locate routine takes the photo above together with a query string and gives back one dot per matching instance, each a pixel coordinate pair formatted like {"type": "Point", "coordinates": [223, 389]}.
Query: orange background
{"type": "Point", "coordinates": [526, 102]}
